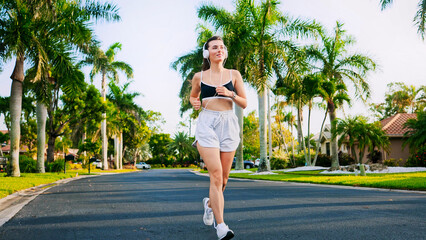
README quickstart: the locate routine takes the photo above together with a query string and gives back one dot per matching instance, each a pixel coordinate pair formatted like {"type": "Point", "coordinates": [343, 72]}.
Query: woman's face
{"type": "Point", "coordinates": [217, 50]}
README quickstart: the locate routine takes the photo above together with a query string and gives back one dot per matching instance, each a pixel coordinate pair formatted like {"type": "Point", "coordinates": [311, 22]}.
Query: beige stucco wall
{"type": "Point", "coordinates": [396, 150]}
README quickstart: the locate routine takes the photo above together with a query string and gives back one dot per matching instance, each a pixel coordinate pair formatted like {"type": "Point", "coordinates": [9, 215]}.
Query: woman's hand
{"type": "Point", "coordinates": [196, 103]}
{"type": "Point", "coordinates": [224, 91]}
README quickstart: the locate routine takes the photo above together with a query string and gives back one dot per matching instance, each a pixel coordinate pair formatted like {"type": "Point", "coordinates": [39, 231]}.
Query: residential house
{"type": "Point", "coordinates": [325, 142]}
{"type": "Point", "coordinates": [394, 129]}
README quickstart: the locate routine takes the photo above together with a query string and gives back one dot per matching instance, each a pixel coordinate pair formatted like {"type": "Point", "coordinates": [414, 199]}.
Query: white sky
{"type": "Point", "coordinates": [154, 33]}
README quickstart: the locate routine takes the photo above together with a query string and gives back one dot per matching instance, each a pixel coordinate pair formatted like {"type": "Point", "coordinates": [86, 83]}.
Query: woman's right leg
{"type": "Point", "coordinates": [211, 157]}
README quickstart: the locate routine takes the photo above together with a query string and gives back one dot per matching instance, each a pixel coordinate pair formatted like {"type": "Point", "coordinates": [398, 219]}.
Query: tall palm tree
{"type": "Point", "coordinates": [337, 68]}
{"type": "Point", "coordinates": [127, 116]}
{"type": "Point", "coordinates": [299, 87]}
{"type": "Point", "coordinates": [19, 22]}
{"type": "Point", "coordinates": [22, 25]}
{"type": "Point", "coordinates": [57, 59]}
{"type": "Point", "coordinates": [104, 63]}
{"type": "Point", "coordinates": [419, 18]}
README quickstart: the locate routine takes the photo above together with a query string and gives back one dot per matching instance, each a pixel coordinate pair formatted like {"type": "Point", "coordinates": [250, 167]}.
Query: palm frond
{"type": "Point", "coordinates": [420, 18]}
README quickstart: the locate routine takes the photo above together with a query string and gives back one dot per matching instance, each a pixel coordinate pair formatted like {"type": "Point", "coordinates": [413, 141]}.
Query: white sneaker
{"type": "Point", "coordinates": [208, 213]}
{"type": "Point", "coordinates": [223, 232]}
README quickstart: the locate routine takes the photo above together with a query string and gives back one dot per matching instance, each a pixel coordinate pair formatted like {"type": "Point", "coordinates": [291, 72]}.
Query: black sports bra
{"type": "Point", "coordinates": [209, 91]}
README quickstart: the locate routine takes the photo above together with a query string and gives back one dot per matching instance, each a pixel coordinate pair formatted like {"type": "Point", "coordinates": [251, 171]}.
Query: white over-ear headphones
{"type": "Point", "coordinates": [206, 53]}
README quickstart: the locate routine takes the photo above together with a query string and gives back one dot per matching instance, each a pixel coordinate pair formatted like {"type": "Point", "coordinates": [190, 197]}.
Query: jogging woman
{"type": "Point", "coordinates": [216, 89]}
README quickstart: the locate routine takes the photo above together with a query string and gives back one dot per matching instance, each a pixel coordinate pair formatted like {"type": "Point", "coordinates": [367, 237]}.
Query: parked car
{"type": "Point", "coordinates": [257, 161]}
{"type": "Point", "coordinates": [143, 165]}
{"type": "Point", "coordinates": [96, 162]}
{"type": "Point", "coordinates": [247, 164]}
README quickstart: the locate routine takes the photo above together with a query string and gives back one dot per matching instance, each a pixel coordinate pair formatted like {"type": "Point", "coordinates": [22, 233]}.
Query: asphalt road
{"type": "Point", "coordinates": [166, 204]}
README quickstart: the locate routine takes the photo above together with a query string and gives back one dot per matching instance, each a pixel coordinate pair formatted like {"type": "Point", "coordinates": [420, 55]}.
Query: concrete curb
{"type": "Point", "coordinates": [13, 203]}
{"type": "Point", "coordinates": [322, 185]}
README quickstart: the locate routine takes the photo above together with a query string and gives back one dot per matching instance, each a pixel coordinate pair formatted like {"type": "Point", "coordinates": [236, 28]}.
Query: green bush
{"type": "Point", "coordinates": [392, 162]}
{"type": "Point", "coordinates": [297, 160]}
{"type": "Point", "coordinates": [166, 160]}
{"type": "Point", "coordinates": [26, 165]}
{"type": "Point", "coordinates": [56, 166]}
{"type": "Point", "coordinates": [323, 160]}
{"type": "Point", "coordinates": [157, 165]}
{"type": "Point", "coordinates": [418, 159]}
{"type": "Point", "coordinates": [278, 163]}
{"type": "Point", "coordinates": [345, 159]}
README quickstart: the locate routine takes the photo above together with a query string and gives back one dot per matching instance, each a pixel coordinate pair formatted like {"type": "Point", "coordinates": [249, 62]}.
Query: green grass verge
{"type": "Point", "coordinates": [9, 185]}
{"type": "Point", "coordinates": [409, 181]}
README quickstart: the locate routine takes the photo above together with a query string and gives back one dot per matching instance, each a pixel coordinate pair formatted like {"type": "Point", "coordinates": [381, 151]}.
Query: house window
{"type": "Point", "coordinates": [327, 148]}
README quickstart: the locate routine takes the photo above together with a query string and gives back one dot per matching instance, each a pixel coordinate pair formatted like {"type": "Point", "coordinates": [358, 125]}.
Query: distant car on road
{"type": "Point", "coordinates": [247, 164]}
{"type": "Point", "coordinates": [143, 165]}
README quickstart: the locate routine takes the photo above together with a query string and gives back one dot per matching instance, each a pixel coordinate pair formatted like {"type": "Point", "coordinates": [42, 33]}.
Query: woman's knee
{"type": "Point", "coordinates": [216, 178]}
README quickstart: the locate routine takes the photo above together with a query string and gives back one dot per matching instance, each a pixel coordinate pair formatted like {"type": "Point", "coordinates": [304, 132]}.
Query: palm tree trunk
{"type": "Point", "coordinates": [269, 127]}
{"type": "Point", "coordinates": [83, 139]}
{"type": "Point", "coordinates": [309, 163]}
{"type": "Point", "coordinates": [300, 130]}
{"type": "Point", "coordinates": [239, 163]}
{"type": "Point", "coordinates": [15, 114]}
{"type": "Point", "coordinates": [264, 163]}
{"type": "Point", "coordinates": [299, 125]}
{"type": "Point", "coordinates": [116, 152]}
{"type": "Point", "coordinates": [51, 148]}
{"type": "Point", "coordinates": [354, 154]}
{"type": "Point", "coordinates": [41, 135]}
{"type": "Point", "coordinates": [334, 156]}
{"type": "Point", "coordinates": [103, 128]}
{"type": "Point", "coordinates": [121, 150]}
{"type": "Point", "coordinates": [361, 165]}
{"type": "Point", "coordinates": [282, 135]}
{"type": "Point", "coordinates": [319, 140]}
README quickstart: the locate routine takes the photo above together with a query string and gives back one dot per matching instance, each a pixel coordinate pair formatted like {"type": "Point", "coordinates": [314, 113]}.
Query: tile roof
{"type": "Point", "coordinates": [394, 126]}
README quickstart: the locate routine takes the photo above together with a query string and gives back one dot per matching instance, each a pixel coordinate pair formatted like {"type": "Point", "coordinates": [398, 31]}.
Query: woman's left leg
{"type": "Point", "coordinates": [226, 159]}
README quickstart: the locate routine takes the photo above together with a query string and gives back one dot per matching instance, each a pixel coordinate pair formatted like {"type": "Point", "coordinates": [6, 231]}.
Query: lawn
{"type": "Point", "coordinates": [409, 181]}
{"type": "Point", "coordinates": [9, 185]}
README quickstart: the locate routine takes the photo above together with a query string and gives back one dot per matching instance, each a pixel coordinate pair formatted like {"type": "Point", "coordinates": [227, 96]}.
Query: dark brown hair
{"type": "Point", "coordinates": [206, 64]}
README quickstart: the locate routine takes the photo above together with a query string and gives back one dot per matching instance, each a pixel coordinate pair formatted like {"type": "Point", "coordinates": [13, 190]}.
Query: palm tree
{"type": "Point", "coordinates": [336, 69]}
{"type": "Point", "coordinates": [347, 129]}
{"type": "Point", "coordinates": [181, 146]}
{"type": "Point", "coordinates": [22, 27]}
{"type": "Point", "coordinates": [416, 132]}
{"type": "Point", "coordinates": [104, 63]}
{"type": "Point", "coordinates": [299, 86]}
{"type": "Point", "coordinates": [18, 33]}
{"type": "Point", "coordinates": [357, 131]}
{"type": "Point", "coordinates": [127, 117]}
{"type": "Point", "coordinates": [419, 18]}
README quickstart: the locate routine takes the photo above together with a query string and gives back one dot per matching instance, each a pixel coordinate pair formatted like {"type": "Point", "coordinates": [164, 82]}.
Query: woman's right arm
{"type": "Point", "coordinates": [194, 98]}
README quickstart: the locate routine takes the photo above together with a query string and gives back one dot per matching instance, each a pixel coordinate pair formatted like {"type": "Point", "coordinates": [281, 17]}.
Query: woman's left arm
{"type": "Point", "coordinates": [239, 97]}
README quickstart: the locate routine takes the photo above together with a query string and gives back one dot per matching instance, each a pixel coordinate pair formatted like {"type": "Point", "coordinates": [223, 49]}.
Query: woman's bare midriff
{"type": "Point", "coordinates": [218, 104]}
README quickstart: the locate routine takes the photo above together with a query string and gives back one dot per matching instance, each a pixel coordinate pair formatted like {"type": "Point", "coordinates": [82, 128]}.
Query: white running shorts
{"type": "Point", "coordinates": [218, 129]}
